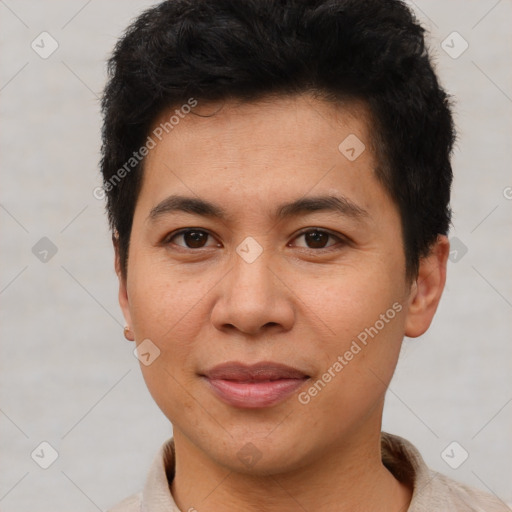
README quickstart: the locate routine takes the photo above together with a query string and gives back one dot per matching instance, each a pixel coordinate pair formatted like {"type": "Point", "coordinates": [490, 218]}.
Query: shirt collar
{"type": "Point", "coordinates": [156, 495]}
{"type": "Point", "coordinates": [401, 458]}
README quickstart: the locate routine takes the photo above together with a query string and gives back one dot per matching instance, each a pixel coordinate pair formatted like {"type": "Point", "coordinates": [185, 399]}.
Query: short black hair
{"type": "Point", "coordinates": [214, 50]}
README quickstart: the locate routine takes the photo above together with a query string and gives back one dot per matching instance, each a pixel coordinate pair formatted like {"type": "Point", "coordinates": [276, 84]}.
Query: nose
{"type": "Point", "coordinates": [254, 298]}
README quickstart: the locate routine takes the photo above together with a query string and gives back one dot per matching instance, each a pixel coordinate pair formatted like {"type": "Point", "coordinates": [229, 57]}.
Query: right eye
{"type": "Point", "coordinates": [193, 238]}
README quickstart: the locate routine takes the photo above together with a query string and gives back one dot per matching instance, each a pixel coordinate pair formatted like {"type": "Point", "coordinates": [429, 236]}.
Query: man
{"type": "Point", "coordinates": [278, 181]}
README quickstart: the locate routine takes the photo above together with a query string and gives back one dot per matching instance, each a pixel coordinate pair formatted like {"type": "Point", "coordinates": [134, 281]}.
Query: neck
{"type": "Point", "coordinates": [350, 477]}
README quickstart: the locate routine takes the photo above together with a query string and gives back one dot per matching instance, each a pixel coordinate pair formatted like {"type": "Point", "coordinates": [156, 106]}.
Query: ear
{"type": "Point", "coordinates": [123, 293]}
{"type": "Point", "coordinates": [426, 291]}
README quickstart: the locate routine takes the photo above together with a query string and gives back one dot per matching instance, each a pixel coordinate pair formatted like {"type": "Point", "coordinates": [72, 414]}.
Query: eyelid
{"type": "Point", "coordinates": [341, 238]}
{"type": "Point", "coordinates": [167, 238]}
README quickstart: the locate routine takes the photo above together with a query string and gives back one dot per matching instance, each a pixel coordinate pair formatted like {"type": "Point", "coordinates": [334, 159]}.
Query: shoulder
{"type": "Point", "coordinates": [131, 504]}
{"type": "Point", "coordinates": [156, 495]}
{"type": "Point", "coordinates": [448, 494]}
{"type": "Point", "coordinates": [433, 490]}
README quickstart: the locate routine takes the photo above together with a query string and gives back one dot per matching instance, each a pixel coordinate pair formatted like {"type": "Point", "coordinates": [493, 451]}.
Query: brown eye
{"type": "Point", "coordinates": [193, 238]}
{"type": "Point", "coordinates": [317, 238]}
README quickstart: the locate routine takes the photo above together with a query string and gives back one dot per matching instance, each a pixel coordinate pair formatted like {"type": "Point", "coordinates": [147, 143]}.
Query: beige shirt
{"type": "Point", "coordinates": [432, 491]}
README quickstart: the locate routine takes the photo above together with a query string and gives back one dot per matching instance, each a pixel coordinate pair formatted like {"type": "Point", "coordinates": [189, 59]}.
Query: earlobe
{"type": "Point", "coordinates": [426, 292]}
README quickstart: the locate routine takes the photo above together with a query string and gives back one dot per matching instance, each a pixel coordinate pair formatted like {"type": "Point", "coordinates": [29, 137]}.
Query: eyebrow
{"type": "Point", "coordinates": [329, 203]}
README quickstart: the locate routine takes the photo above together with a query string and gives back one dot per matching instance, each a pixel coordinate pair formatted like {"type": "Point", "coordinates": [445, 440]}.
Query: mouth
{"type": "Point", "coordinates": [254, 386]}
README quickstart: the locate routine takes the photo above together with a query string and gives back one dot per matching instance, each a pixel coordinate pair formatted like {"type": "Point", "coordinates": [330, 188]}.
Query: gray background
{"type": "Point", "coordinates": [69, 378]}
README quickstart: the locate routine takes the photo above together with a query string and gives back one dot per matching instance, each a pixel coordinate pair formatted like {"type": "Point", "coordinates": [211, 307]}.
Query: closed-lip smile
{"type": "Point", "coordinates": [254, 386]}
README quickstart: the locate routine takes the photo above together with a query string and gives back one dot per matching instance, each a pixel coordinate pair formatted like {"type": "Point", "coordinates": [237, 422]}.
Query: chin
{"type": "Point", "coordinates": [262, 455]}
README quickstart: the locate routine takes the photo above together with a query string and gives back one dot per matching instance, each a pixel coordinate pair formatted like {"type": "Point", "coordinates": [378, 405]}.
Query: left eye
{"type": "Point", "coordinates": [317, 238]}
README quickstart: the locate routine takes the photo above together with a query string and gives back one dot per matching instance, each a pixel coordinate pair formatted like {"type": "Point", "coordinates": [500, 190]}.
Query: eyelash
{"type": "Point", "coordinates": [342, 240]}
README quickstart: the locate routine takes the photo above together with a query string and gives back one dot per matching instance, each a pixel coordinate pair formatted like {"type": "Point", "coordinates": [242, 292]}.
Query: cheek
{"type": "Point", "coordinates": [346, 301]}
{"type": "Point", "coordinates": [174, 393]}
{"type": "Point", "coordinates": [167, 309]}
{"type": "Point", "coordinates": [362, 315]}
{"type": "Point", "coordinates": [353, 379]}
{"type": "Point", "coordinates": [164, 302]}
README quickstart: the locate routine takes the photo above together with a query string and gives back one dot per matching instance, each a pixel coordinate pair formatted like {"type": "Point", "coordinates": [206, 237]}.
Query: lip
{"type": "Point", "coordinates": [254, 386]}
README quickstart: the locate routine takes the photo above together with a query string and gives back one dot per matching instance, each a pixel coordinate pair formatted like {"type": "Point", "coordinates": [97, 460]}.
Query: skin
{"type": "Point", "coordinates": [299, 303]}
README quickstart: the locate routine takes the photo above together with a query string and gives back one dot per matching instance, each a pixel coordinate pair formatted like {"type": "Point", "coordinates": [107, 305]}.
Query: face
{"type": "Point", "coordinates": [267, 271]}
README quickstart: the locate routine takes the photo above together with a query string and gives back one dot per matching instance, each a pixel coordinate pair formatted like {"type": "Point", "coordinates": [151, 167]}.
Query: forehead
{"type": "Point", "coordinates": [257, 153]}
{"type": "Point", "coordinates": [277, 127]}
{"type": "Point", "coordinates": [261, 120]}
